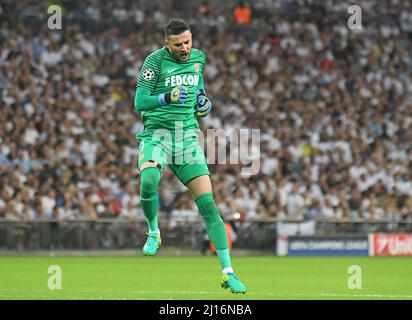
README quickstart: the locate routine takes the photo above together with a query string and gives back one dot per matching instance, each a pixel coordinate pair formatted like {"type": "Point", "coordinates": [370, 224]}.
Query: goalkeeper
{"type": "Point", "coordinates": [170, 95]}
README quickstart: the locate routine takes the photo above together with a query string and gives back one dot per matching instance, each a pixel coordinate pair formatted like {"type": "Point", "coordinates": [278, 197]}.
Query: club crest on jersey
{"type": "Point", "coordinates": [148, 74]}
{"type": "Point", "coordinates": [197, 68]}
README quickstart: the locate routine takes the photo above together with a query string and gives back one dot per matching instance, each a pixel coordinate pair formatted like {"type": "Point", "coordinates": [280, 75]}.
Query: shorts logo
{"type": "Point", "coordinates": [148, 74]}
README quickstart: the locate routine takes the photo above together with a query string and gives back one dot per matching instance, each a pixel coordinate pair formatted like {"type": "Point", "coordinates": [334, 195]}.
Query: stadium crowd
{"type": "Point", "coordinates": [333, 106]}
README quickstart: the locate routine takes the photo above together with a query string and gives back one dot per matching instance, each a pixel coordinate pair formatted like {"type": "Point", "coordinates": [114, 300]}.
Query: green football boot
{"type": "Point", "coordinates": [230, 280]}
{"type": "Point", "coordinates": [152, 244]}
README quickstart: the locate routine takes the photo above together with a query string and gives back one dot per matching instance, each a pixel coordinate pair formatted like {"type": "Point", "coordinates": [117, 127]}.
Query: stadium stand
{"type": "Point", "coordinates": [333, 105]}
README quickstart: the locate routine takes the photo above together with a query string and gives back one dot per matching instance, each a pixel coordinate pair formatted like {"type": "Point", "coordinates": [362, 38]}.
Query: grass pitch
{"type": "Point", "coordinates": [198, 278]}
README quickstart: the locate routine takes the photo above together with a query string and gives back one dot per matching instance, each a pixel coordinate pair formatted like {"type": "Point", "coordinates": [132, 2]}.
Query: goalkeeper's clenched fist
{"type": "Point", "coordinates": [203, 106]}
{"type": "Point", "coordinates": [177, 95]}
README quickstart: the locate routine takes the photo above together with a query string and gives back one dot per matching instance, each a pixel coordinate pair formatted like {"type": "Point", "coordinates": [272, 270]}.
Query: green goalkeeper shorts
{"type": "Point", "coordinates": [184, 155]}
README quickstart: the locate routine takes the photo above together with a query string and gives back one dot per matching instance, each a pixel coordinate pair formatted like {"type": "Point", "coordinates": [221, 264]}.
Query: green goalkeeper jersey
{"type": "Point", "coordinates": [160, 73]}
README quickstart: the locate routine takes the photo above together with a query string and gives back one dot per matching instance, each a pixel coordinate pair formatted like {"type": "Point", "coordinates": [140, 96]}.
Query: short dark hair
{"type": "Point", "coordinates": [175, 27]}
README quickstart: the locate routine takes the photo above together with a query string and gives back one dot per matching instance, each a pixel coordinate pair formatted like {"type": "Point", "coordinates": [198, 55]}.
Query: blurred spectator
{"type": "Point", "coordinates": [204, 9]}
{"type": "Point", "coordinates": [333, 106]}
{"type": "Point", "coordinates": [242, 14]}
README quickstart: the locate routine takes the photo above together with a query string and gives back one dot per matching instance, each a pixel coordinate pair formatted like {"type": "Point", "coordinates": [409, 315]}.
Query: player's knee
{"type": "Point", "coordinates": [149, 180]}
{"type": "Point", "coordinates": [207, 207]}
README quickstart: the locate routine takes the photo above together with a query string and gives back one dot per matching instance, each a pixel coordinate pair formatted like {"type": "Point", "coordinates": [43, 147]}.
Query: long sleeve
{"type": "Point", "coordinates": [143, 101]}
{"type": "Point", "coordinates": [201, 85]}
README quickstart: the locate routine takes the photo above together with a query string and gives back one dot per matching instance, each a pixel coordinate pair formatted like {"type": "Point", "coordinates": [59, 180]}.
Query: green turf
{"type": "Point", "coordinates": [198, 278]}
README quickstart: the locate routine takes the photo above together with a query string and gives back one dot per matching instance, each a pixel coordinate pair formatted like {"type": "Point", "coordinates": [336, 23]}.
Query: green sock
{"type": "Point", "coordinates": [153, 224]}
{"type": "Point", "coordinates": [215, 227]}
{"type": "Point", "coordinates": [224, 258]}
{"type": "Point", "coordinates": [150, 178]}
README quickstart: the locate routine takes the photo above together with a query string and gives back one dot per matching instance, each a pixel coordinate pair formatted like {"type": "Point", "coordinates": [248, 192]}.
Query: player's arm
{"type": "Point", "coordinates": [201, 84]}
{"type": "Point", "coordinates": [204, 105]}
{"type": "Point", "coordinates": [144, 101]}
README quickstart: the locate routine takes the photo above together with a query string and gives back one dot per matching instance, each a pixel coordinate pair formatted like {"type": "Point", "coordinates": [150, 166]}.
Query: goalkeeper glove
{"type": "Point", "coordinates": [177, 95]}
{"type": "Point", "coordinates": [204, 105]}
